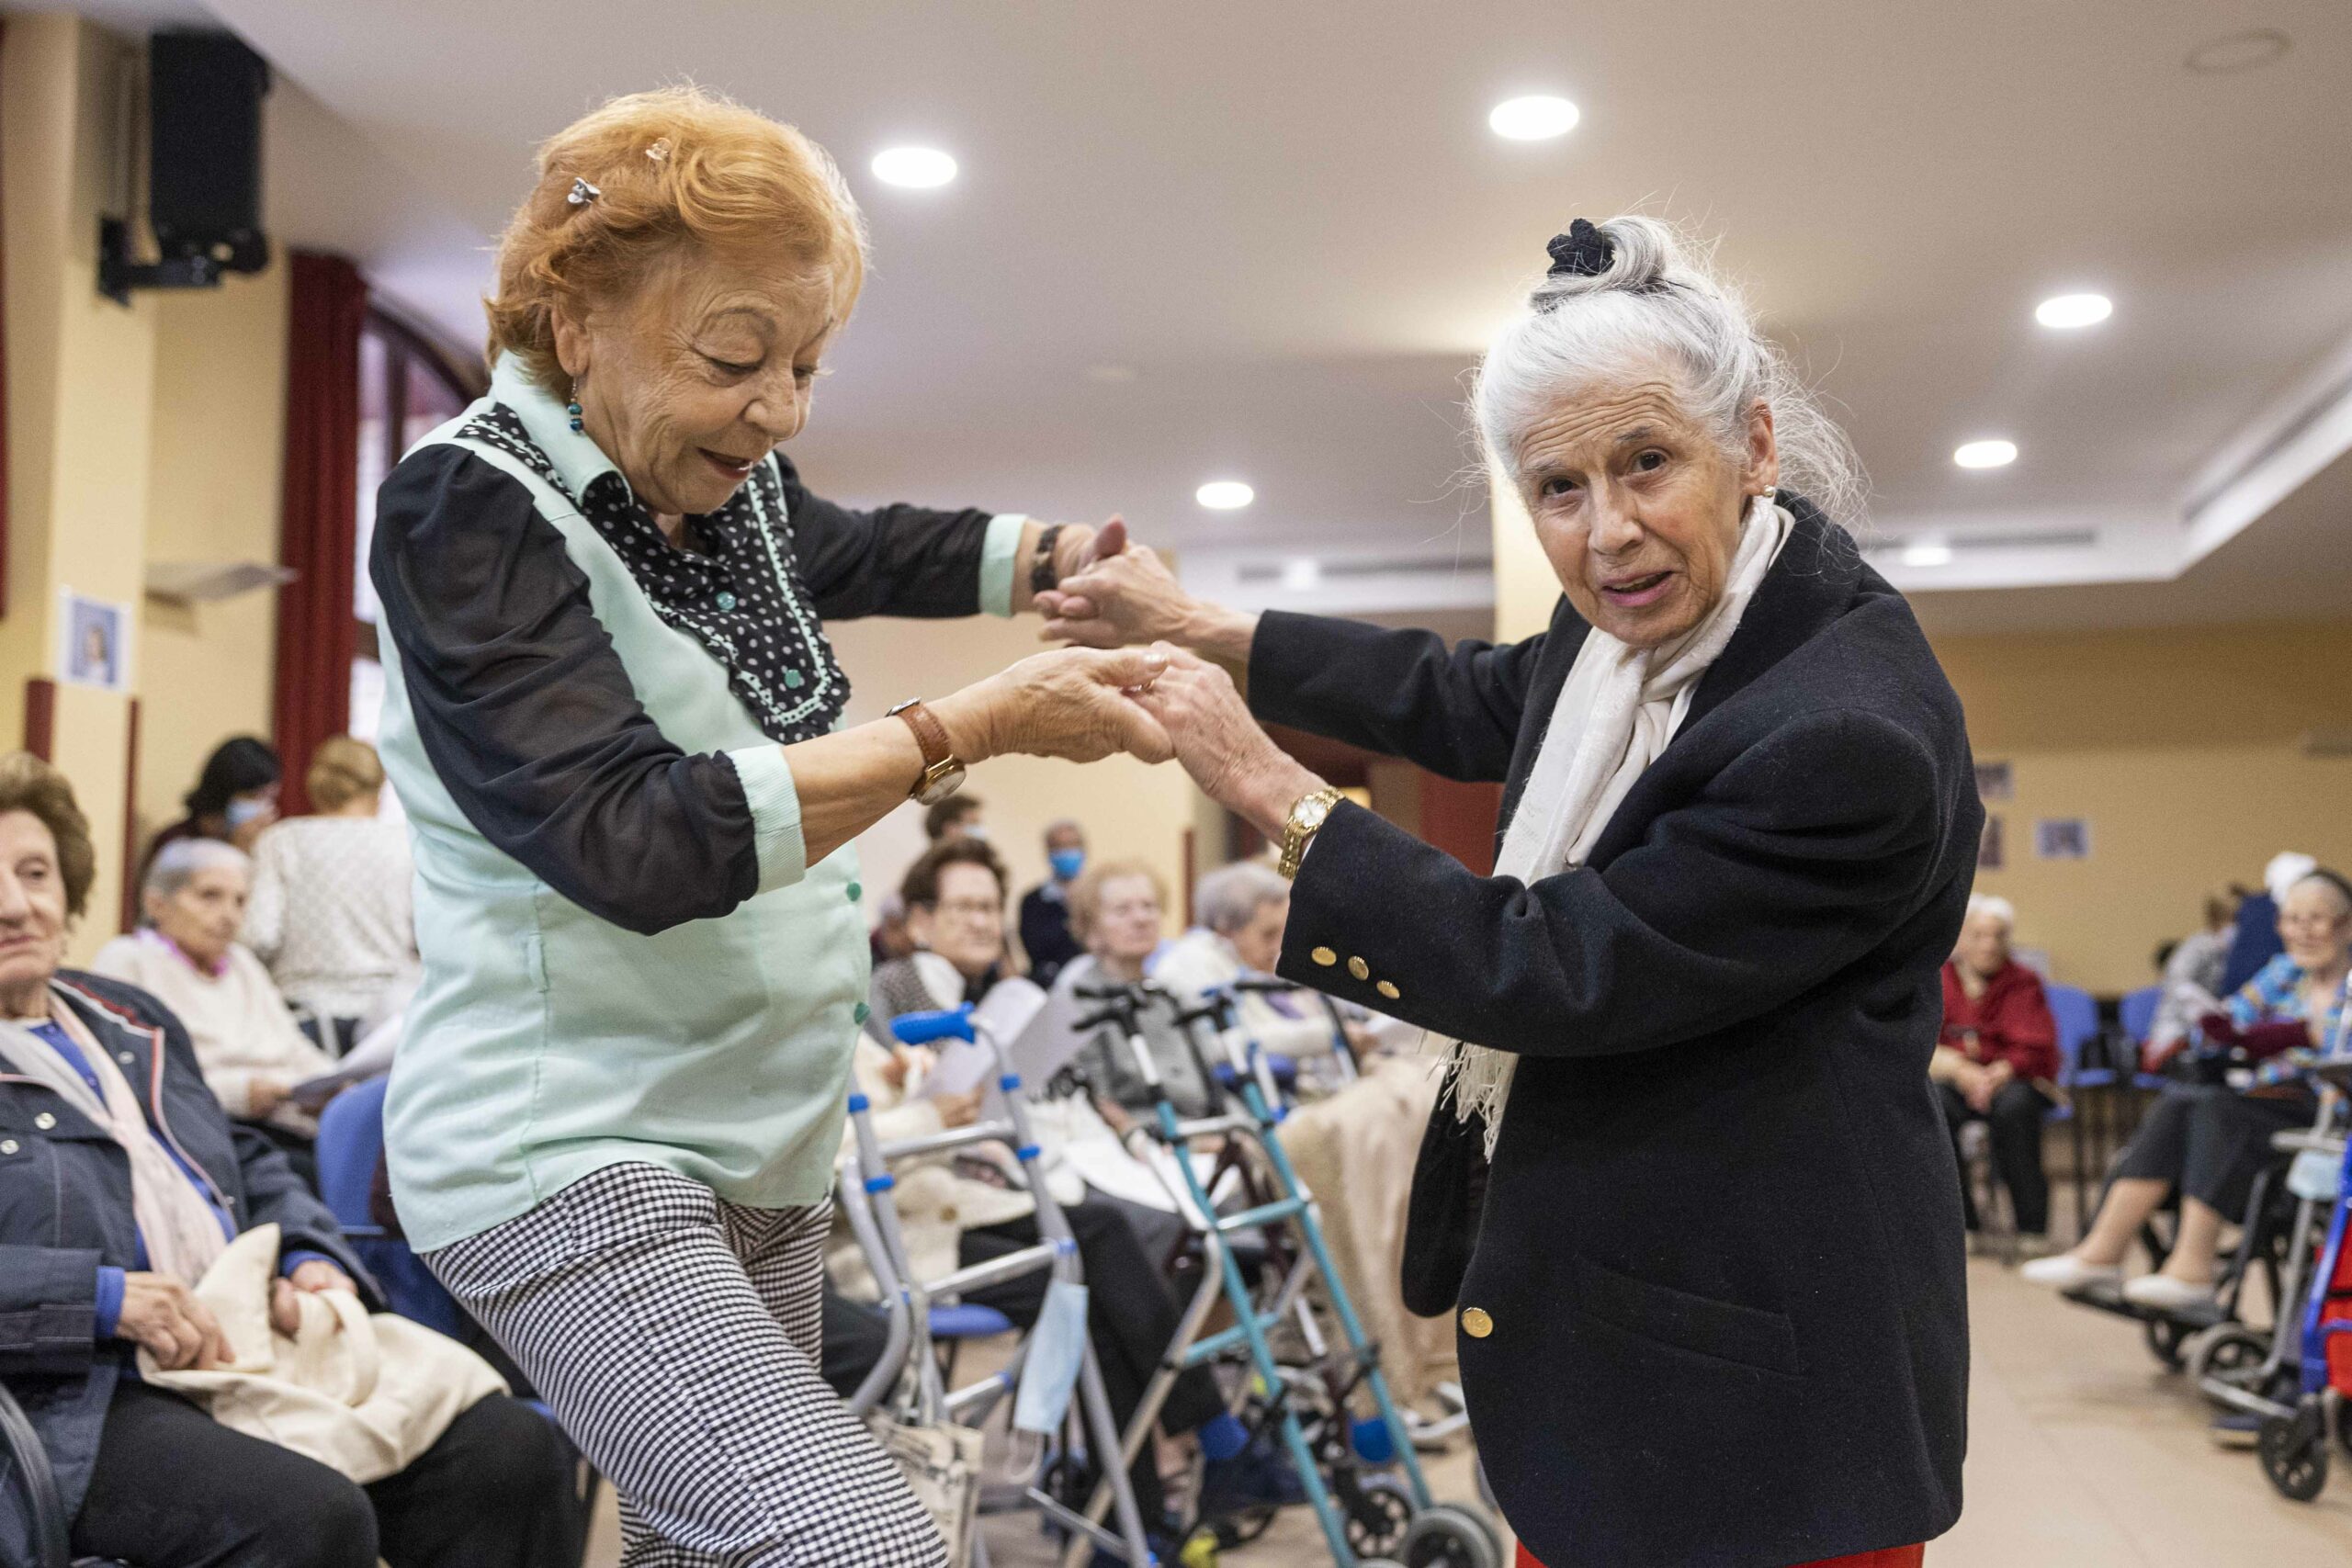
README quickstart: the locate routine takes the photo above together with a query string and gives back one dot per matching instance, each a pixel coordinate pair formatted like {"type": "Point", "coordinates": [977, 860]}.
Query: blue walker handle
{"type": "Point", "coordinates": [922, 1028]}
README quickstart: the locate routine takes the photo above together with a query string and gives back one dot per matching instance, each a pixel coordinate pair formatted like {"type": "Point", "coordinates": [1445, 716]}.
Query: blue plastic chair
{"type": "Point", "coordinates": [2076, 1013]}
{"type": "Point", "coordinates": [351, 1143]}
{"type": "Point", "coordinates": [2137, 1012]}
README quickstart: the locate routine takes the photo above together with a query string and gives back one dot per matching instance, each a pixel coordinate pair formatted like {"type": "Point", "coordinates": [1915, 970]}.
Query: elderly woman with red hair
{"type": "Point", "coordinates": [617, 726]}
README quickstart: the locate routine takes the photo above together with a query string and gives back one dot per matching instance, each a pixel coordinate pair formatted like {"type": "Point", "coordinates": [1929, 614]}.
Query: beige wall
{"type": "Point", "coordinates": [215, 472]}
{"type": "Point", "coordinates": [1129, 810]}
{"type": "Point", "coordinates": [139, 433]}
{"type": "Point", "coordinates": [2181, 749]}
{"type": "Point", "coordinates": [80, 375]}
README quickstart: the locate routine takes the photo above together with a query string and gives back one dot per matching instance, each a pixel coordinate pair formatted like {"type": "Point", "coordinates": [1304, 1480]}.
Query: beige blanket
{"type": "Point", "coordinates": [1355, 1153]}
{"type": "Point", "coordinates": [364, 1395]}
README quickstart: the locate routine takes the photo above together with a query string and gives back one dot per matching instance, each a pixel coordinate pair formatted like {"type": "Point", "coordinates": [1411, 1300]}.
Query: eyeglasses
{"type": "Point", "coordinates": [970, 909]}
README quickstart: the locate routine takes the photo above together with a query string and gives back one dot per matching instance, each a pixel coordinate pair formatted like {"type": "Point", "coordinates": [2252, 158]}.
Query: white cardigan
{"type": "Point", "coordinates": [236, 1020]}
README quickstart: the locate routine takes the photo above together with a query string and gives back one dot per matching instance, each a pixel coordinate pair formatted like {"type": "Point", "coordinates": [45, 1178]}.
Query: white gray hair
{"type": "Point", "coordinates": [1992, 904]}
{"type": "Point", "coordinates": [1659, 301]}
{"type": "Point", "coordinates": [179, 862]}
{"type": "Point", "coordinates": [1230, 897]}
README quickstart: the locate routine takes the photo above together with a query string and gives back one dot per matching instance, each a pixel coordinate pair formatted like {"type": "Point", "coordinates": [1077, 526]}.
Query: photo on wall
{"type": "Point", "coordinates": [2062, 837]}
{"type": "Point", "coordinates": [1988, 848]}
{"type": "Point", "coordinates": [95, 642]}
{"type": "Point", "coordinates": [1995, 782]}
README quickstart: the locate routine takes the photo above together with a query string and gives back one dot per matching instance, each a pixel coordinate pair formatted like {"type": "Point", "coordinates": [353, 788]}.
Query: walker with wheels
{"type": "Point", "coordinates": [1362, 1479]}
{"type": "Point", "coordinates": [907, 1383]}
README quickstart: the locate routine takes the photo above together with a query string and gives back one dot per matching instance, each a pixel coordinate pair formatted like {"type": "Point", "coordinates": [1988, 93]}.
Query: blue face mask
{"type": "Point", "coordinates": [240, 812]}
{"type": "Point", "coordinates": [1057, 1348]}
{"type": "Point", "coordinates": [1067, 864]}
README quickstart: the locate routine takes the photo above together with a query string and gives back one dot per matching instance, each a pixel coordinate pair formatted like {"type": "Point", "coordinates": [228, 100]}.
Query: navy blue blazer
{"type": "Point", "coordinates": [65, 1210]}
{"type": "Point", "coordinates": [1712, 1290]}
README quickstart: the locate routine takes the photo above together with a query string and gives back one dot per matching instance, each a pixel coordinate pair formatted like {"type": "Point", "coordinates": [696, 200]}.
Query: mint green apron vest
{"type": "Point", "coordinates": [546, 1043]}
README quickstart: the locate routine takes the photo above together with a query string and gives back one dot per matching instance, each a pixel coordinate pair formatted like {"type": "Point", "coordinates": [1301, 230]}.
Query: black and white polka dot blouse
{"type": "Point", "coordinates": [528, 711]}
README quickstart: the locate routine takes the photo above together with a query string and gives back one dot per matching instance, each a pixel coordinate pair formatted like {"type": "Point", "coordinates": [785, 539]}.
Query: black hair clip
{"type": "Point", "coordinates": [1583, 252]}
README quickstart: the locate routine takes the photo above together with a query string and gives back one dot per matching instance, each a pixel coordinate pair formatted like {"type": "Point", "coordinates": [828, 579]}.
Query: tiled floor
{"type": "Point", "coordinates": [2083, 1453]}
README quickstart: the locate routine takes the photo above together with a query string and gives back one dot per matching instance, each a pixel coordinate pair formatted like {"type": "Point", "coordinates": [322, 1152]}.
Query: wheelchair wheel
{"type": "Point", "coordinates": [1378, 1509]}
{"type": "Point", "coordinates": [2293, 1449]}
{"type": "Point", "coordinates": [1445, 1536]}
{"type": "Point", "coordinates": [2229, 1352]}
{"type": "Point", "coordinates": [2165, 1340]}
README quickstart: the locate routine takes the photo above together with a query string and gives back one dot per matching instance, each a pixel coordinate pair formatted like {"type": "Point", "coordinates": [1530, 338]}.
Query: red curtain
{"type": "Point", "coordinates": [319, 524]}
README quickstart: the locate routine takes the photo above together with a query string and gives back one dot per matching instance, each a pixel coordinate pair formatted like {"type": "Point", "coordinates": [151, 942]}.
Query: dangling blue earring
{"type": "Point", "coordinates": [572, 408]}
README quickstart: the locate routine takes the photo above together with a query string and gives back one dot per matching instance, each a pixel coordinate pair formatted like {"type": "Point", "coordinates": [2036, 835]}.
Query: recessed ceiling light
{"type": "Point", "coordinates": [1225, 495]}
{"type": "Point", "coordinates": [1927, 552]}
{"type": "Point", "coordinates": [2066, 312]}
{"type": "Point", "coordinates": [2232, 52]}
{"type": "Point", "coordinates": [1536, 119]}
{"type": "Point", "coordinates": [1985, 454]}
{"type": "Point", "coordinates": [918, 168]}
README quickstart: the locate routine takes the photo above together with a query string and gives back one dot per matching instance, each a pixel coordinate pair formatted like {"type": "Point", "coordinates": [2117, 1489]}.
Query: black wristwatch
{"type": "Point", "coordinates": [1043, 578]}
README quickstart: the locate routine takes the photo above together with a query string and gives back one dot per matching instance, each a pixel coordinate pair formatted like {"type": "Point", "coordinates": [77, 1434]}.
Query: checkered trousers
{"type": "Point", "coordinates": [677, 1339]}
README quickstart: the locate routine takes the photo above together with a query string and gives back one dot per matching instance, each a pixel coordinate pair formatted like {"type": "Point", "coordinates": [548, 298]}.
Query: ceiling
{"type": "Point", "coordinates": [1285, 229]}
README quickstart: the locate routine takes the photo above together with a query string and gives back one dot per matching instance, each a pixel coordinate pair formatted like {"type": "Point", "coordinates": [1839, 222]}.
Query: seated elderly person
{"type": "Point", "coordinates": [1997, 1061]}
{"type": "Point", "coordinates": [2210, 1141]}
{"type": "Point", "coordinates": [120, 1180]}
{"type": "Point", "coordinates": [187, 955]}
{"type": "Point", "coordinates": [1243, 908]}
{"type": "Point", "coordinates": [1117, 909]}
{"type": "Point", "coordinates": [955, 897]}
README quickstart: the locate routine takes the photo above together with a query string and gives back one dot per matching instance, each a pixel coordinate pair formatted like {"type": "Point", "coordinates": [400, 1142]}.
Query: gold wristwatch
{"type": "Point", "coordinates": [1307, 815]}
{"type": "Point", "coordinates": [942, 771]}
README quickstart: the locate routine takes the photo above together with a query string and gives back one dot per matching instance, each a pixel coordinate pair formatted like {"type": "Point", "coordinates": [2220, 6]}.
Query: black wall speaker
{"type": "Point", "coordinates": [204, 98]}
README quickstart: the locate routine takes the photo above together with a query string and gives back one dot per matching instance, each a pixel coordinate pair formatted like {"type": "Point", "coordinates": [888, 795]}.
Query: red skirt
{"type": "Point", "coordinates": [1892, 1557]}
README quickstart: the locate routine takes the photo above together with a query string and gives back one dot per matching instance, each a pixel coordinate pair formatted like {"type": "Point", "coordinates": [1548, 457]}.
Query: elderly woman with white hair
{"type": "Point", "coordinates": [1687, 1192]}
{"type": "Point", "coordinates": [1242, 909]}
{"type": "Point", "coordinates": [187, 956]}
{"type": "Point", "coordinates": [2208, 1142]}
{"type": "Point", "coordinates": [1998, 1063]}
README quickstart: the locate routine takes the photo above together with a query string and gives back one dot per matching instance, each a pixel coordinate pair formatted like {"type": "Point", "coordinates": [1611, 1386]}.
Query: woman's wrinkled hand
{"type": "Point", "coordinates": [311, 1276]}
{"type": "Point", "coordinates": [1122, 598]}
{"type": "Point", "coordinates": [1219, 743]}
{"type": "Point", "coordinates": [164, 1315]}
{"type": "Point", "coordinates": [1073, 704]}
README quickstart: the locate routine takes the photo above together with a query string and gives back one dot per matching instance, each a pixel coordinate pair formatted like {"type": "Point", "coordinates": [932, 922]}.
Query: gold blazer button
{"type": "Point", "coordinates": [1359, 968]}
{"type": "Point", "coordinates": [1324, 956]}
{"type": "Point", "coordinates": [1476, 1323]}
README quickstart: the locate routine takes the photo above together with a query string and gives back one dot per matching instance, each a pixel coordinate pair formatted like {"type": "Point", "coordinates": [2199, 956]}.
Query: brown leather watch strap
{"type": "Point", "coordinates": [930, 734]}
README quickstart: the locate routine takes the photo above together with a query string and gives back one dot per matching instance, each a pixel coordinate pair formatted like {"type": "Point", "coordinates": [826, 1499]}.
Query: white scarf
{"type": "Point", "coordinates": [1616, 713]}
{"type": "Point", "coordinates": [178, 1222]}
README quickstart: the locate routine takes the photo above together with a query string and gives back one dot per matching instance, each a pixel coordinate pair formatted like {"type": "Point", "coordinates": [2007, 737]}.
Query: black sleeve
{"type": "Point", "coordinates": [1402, 693]}
{"type": "Point", "coordinates": [895, 560]}
{"type": "Point", "coordinates": [529, 715]}
{"type": "Point", "coordinates": [1798, 859]}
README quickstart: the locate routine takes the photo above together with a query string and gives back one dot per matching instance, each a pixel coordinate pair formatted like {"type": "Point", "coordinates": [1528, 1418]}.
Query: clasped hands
{"type": "Point", "coordinates": [1123, 595]}
{"type": "Point", "coordinates": [167, 1319]}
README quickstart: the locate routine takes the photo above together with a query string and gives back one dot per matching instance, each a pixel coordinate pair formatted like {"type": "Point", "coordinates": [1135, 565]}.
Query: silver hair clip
{"type": "Point", "coordinates": [660, 151]}
{"type": "Point", "coordinates": [582, 193]}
